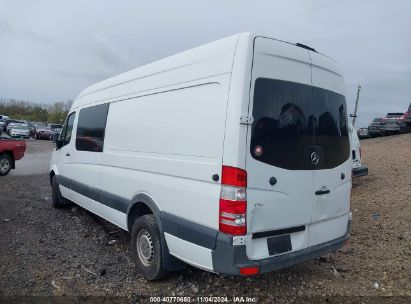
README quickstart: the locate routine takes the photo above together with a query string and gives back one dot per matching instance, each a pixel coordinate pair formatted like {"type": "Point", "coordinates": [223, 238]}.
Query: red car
{"type": "Point", "coordinates": [10, 151]}
{"type": "Point", "coordinates": [43, 132]}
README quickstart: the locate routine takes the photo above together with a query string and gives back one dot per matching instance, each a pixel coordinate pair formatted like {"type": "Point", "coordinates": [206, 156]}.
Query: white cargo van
{"type": "Point", "coordinates": [233, 157]}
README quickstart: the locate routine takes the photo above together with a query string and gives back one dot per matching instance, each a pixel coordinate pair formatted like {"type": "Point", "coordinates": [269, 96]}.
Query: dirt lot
{"type": "Point", "coordinates": [71, 254]}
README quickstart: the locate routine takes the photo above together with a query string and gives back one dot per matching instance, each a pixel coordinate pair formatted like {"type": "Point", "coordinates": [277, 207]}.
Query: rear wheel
{"type": "Point", "coordinates": [146, 247]}
{"type": "Point", "coordinates": [5, 164]}
{"type": "Point", "coordinates": [57, 200]}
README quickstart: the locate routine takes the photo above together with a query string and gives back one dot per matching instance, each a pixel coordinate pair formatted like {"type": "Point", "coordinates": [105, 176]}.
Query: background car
{"type": "Point", "coordinates": [56, 128]}
{"type": "Point", "coordinates": [13, 124]}
{"type": "Point", "coordinates": [8, 122]}
{"type": "Point", "coordinates": [35, 124]}
{"type": "Point", "coordinates": [2, 123]}
{"type": "Point", "coordinates": [43, 132]}
{"type": "Point", "coordinates": [393, 123]}
{"type": "Point", "coordinates": [375, 128]}
{"type": "Point", "coordinates": [19, 130]}
{"type": "Point", "coordinates": [362, 133]}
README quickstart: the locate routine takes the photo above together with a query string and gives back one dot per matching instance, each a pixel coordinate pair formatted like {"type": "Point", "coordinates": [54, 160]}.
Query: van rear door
{"type": "Point", "coordinates": [279, 143]}
{"type": "Point", "coordinates": [332, 175]}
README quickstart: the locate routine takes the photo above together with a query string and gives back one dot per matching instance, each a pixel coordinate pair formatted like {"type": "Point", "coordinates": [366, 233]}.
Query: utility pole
{"type": "Point", "coordinates": [356, 106]}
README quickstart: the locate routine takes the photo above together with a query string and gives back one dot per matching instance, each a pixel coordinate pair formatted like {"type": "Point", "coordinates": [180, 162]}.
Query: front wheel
{"type": "Point", "coordinates": [5, 164]}
{"type": "Point", "coordinates": [146, 247]}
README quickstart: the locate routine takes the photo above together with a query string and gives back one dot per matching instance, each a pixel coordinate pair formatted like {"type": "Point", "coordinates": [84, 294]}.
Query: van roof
{"type": "Point", "coordinates": [217, 58]}
{"type": "Point", "coordinates": [198, 54]}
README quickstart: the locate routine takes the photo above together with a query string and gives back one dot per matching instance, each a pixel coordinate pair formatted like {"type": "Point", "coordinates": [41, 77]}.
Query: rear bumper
{"type": "Point", "coordinates": [228, 259]}
{"type": "Point", "coordinates": [392, 129]}
{"type": "Point", "coordinates": [47, 136]}
{"type": "Point", "coordinates": [375, 131]}
{"type": "Point", "coordinates": [360, 171]}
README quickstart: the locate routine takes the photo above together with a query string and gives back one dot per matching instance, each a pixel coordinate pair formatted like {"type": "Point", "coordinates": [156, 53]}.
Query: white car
{"type": "Point", "coordinates": [19, 130]}
{"type": "Point", "coordinates": [233, 157]}
{"type": "Point", "coordinates": [357, 168]}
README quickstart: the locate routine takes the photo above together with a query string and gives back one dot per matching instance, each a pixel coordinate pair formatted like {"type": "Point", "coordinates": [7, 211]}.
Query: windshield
{"type": "Point", "coordinates": [20, 127]}
{"type": "Point", "coordinates": [291, 119]}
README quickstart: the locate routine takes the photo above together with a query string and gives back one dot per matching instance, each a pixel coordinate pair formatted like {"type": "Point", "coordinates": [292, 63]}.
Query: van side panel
{"type": "Point", "coordinates": [182, 122]}
{"type": "Point", "coordinates": [171, 158]}
{"type": "Point", "coordinates": [190, 253]}
{"type": "Point", "coordinates": [114, 216]}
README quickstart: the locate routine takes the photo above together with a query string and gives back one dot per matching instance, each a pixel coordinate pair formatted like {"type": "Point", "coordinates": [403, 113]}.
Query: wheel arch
{"type": "Point", "coordinates": [51, 175]}
{"type": "Point", "coordinates": [143, 204]}
{"type": "Point", "coordinates": [53, 171]}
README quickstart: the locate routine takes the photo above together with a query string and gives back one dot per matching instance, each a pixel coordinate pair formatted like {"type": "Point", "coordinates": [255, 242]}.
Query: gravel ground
{"type": "Point", "coordinates": [70, 254]}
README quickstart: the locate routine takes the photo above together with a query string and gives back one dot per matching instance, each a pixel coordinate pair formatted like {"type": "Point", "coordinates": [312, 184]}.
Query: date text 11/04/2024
{"type": "Point", "coordinates": [203, 299]}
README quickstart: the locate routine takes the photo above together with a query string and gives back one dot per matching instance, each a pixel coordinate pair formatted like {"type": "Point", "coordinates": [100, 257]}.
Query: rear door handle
{"type": "Point", "coordinates": [321, 192]}
{"type": "Point", "coordinates": [68, 154]}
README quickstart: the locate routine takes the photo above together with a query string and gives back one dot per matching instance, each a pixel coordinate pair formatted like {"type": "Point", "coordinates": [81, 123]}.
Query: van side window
{"type": "Point", "coordinates": [68, 129]}
{"type": "Point", "coordinates": [91, 127]}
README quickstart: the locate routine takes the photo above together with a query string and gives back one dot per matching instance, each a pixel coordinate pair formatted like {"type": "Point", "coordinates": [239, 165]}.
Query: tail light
{"type": "Point", "coordinates": [249, 270]}
{"type": "Point", "coordinates": [233, 201]}
{"type": "Point", "coordinates": [360, 152]}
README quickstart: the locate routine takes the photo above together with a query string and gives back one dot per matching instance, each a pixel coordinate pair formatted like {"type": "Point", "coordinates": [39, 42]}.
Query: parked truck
{"type": "Point", "coordinates": [11, 150]}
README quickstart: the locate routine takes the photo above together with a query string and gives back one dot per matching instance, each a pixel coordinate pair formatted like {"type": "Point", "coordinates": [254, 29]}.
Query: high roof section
{"type": "Point", "coordinates": [210, 59]}
{"type": "Point", "coordinates": [214, 58]}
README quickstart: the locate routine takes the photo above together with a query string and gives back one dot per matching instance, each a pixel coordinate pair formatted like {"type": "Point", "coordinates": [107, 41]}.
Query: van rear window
{"type": "Point", "coordinates": [292, 119]}
{"type": "Point", "coordinates": [91, 127]}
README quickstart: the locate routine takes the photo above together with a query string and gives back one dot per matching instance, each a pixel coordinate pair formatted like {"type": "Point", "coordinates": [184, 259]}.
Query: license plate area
{"type": "Point", "coordinates": [279, 244]}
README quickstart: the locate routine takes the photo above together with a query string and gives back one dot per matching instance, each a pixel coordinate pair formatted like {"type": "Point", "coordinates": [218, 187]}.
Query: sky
{"type": "Point", "coordinates": [51, 50]}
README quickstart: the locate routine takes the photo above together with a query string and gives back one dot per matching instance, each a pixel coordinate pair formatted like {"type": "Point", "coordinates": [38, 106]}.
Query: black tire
{"type": "Point", "coordinates": [57, 200]}
{"type": "Point", "coordinates": [6, 164]}
{"type": "Point", "coordinates": [149, 262]}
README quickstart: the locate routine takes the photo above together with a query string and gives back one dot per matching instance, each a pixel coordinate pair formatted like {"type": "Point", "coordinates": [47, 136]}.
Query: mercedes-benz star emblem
{"type": "Point", "coordinates": [315, 158]}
